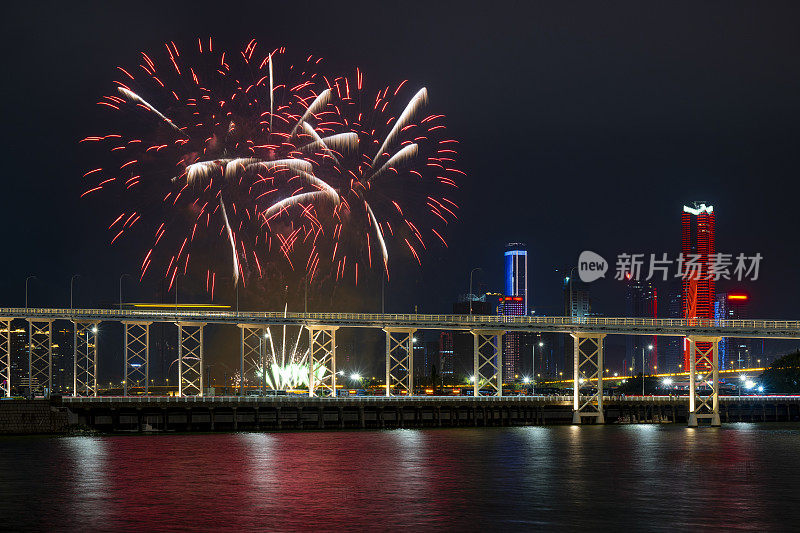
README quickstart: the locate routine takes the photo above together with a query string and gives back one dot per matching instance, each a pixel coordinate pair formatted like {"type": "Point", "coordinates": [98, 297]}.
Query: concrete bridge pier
{"type": "Point", "coordinates": [400, 360]}
{"type": "Point", "coordinates": [588, 367]}
{"type": "Point", "coordinates": [84, 362]}
{"type": "Point", "coordinates": [5, 357]}
{"type": "Point", "coordinates": [322, 360]}
{"type": "Point", "coordinates": [137, 355]}
{"type": "Point", "coordinates": [40, 354]}
{"type": "Point", "coordinates": [190, 358]}
{"type": "Point", "coordinates": [488, 361]}
{"type": "Point", "coordinates": [703, 361]}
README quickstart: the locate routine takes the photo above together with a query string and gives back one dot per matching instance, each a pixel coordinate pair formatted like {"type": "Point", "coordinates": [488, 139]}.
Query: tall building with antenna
{"type": "Point", "coordinates": [697, 247]}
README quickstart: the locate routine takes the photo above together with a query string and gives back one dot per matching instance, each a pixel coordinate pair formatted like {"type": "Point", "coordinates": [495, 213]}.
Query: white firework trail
{"type": "Point", "coordinates": [285, 164]}
{"type": "Point", "coordinates": [271, 94]}
{"type": "Point", "coordinates": [286, 367]}
{"type": "Point", "coordinates": [198, 173]}
{"type": "Point", "coordinates": [339, 142]}
{"type": "Point", "coordinates": [298, 198]}
{"type": "Point", "coordinates": [405, 153]}
{"type": "Point", "coordinates": [318, 142]}
{"type": "Point", "coordinates": [319, 102]}
{"type": "Point", "coordinates": [130, 95]}
{"type": "Point", "coordinates": [379, 233]}
{"type": "Point", "coordinates": [233, 166]}
{"type": "Point", "coordinates": [232, 241]}
{"type": "Point", "coordinates": [419, 99]}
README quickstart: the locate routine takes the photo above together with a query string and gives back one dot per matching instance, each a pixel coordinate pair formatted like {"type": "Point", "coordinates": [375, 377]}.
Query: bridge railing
{"type": "Point", "coordinates": [399, 399]}
{"type": "Point", "coordinates": [402, 319]}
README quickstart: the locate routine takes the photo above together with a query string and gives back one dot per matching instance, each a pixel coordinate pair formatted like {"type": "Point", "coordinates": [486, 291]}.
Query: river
{"type": "Point", "coordinates": [633, 477]}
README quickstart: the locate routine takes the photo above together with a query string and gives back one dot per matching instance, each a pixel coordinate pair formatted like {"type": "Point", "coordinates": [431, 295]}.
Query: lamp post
{"type": "Point", "coordinates": [569, 280]}
{"type": "Point", "coordinates": [71, 280]}
{"type": "Point", "coordinates": [120, 289]}
{"type": "Point", "coordinates": [471, 272]}
{"type": "Point", "coordinates": [533, 366]}
{"type": "Point", "coordinates": [649, 347]}
{"type": "Point", "coordinates": [26, 289]}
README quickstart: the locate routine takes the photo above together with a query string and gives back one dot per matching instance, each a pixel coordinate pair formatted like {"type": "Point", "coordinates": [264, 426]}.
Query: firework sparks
{"type": "Point", "coordinates": [323, 169]}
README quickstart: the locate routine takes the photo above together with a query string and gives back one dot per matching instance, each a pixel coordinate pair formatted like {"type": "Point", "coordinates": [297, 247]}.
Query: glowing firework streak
{"type": "Point", "coordinates": [288, 184]}
{"type": "Point", "coordinates": [318, 103]}
{"type": "Point", "coordinates": [232, 241]}
{"type": "Point", "coordinates": [136, 98]}
{"type": "Point", "coordinates": [419, 99]}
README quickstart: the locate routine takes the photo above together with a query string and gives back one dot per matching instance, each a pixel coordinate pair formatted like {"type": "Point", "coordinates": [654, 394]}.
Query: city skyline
{"type": "Point", "coordinates": [734, 180]}
{"type": "Point", "coordinates": [551, 195]}
{"type": "Point", "coordinates": [365, 266]}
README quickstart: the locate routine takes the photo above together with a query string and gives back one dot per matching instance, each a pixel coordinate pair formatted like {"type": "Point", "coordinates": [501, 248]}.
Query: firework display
{"type": "Point", "coordinates": [273, 160]}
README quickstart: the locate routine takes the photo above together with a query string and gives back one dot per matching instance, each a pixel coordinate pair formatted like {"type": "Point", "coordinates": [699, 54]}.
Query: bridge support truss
{"type": "Point", "coordinates": [84, 362]}
{"type": "Point", "coordinates": [137, 357]}
{"type": "Point", "coordinates": [588, 367]}
{"type": "Point", "coordinates": [40, 355]}
{"type": "Point", "coordinates": [704, 393]}
{"type": "Point", "coordinates": [488, 362]}
{"type": "Point", "coordinates": [322, 360]}
{"type": "Point", "coordinates": [5, 357]}
{"type": "Point", "coordinates": [190, 358]}
{"type": "Point", "coordinates": [400, 361]}
{"type": "Point", "coordinates": [251, 355]}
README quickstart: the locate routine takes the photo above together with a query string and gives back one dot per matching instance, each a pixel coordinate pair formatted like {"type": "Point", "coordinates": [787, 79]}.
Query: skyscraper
{"type": "Point", "coordinates": [733, 352]}
{"type": "Point", "coordinates": [512, 346]}
{"type": "Point", "coordinates": [577, 301]}
{"type": "Point", "coordinates": [516, 272]}
{"type": "Point", "coordinates": [446, 367]}
{"type": "Point", "coordinates": [514, 303]}
{"type": "Point", "coordinates": [641, 299]}
{"type": "Point", "coordinates": [672, 347]}
{"type": "Point", "coordinates": [697, 247]}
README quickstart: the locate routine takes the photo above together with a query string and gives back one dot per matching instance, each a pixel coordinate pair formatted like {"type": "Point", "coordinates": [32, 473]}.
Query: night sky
{"type": "Point", "coordinates": [581, 126]}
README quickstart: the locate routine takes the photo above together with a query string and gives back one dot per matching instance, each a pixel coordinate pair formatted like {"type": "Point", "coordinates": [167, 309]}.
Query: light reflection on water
{"type": "Point", "coordinates": [642, 477]}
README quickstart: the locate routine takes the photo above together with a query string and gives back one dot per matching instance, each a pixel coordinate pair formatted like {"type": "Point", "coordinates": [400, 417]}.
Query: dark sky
{"type": "Point", "coordinates": [582, 126]}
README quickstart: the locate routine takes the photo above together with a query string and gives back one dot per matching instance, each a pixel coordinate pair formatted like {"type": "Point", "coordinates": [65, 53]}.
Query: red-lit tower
{"type": "Point", "coordinates": [697, 240]}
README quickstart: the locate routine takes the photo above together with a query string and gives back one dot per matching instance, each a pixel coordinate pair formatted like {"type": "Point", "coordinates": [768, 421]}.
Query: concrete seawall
{"type": "Point", "coordinates": [157, 414]}
{"type": "Point", "coordinates": [30, 417]}
{"type": "Point", "coordinates": [287, 412]}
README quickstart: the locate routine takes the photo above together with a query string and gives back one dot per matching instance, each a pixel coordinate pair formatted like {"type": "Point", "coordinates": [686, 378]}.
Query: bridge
{"type": "Point", "coordinates": [703, 336]}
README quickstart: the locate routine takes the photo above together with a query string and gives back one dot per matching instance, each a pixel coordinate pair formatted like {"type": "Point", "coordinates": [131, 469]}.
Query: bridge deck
{"type": "Point", "coordinates": [211, 401]}
{"type": "Point", "coordinates": [787, 329]}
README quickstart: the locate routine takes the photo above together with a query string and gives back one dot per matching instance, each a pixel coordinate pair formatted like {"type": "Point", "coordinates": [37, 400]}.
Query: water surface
{"type": "Point", "coordinates": [635, 477]}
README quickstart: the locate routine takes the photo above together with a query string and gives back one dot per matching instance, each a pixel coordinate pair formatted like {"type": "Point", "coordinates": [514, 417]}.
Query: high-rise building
{"type": "Point", "coordinates": [516, 272]}
{"type": "Point", "coordinates": [432, 360]}
{"type": "Point", "coordinates": [446, 354]}
{"type": "Point", "coordinates": [733, 352]}
{"type": "Point", "coordinates": [63, 353]}
{"type": "Point", "coordinates": [512, 345]}
{"type": "Point", "coordinates": [577, 301]}
{"type": "Point", "coordinates": [697, 247]}
{"type": "Point", "coordinates": [514, 303]}
{"type": "Point", "coordinates": [641, 299]}
{"type": "Point", "coordinates": [422, 366]}
{"type": "Point", "coordinates": [19, 356]}
{"type": "Point", "coordinates": [672, 347]}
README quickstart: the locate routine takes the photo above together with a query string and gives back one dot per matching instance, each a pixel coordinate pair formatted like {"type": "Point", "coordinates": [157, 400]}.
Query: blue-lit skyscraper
{"type": "Point", "coordinates": [516, 272]}
{"type": "Point", "coordinates": [514, 303]}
